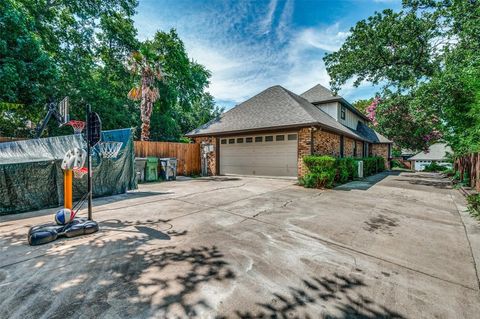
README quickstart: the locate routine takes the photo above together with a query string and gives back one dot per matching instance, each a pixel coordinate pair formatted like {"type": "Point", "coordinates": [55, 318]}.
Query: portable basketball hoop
{"type": "Point", "coordinates": [78, 126]}
{"type": "Point", "coordinates": [109, 149]}
{"type": "Point", "coordinates": [80, 172]}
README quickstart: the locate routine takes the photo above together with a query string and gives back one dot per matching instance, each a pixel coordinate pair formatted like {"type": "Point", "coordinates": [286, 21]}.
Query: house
{"type": "Point", "coordinates": [270, 133]}
{"type": "Point", "coordinates": [437, 153]}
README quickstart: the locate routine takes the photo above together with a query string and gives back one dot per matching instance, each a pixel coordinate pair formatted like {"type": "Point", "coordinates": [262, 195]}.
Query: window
{"type": "Point", "coordinates": [292, 137]}
{"type": "Point", "coordinates": [223, 141]}
{"type": "Point", "coordinates": [280, 138]}
{"type": "Point", "coordinates": [240, 140]}
{"type": "Point", "coordinates": [342, 112]}
{"type": "Point", "coordinates": [231, 141]}
{"type": "Point", "coordinates": [354, 149]}
{"type": "Point", "coordinates": [249, 140]}
{"type": "Point", "coordinates": [258, 139]}
{"type": "Point", "coordinates": [268, 138]}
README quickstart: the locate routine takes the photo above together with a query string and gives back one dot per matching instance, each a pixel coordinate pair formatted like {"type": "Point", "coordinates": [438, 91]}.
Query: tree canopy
{"type": "Point", "coordinates": [425, 58]}
{"type": "Point", "coordinates": [52, 49]}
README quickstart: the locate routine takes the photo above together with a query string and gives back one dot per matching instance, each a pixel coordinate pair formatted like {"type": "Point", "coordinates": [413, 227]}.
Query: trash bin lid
{"type": "Point", "coordinates": [152, 159]}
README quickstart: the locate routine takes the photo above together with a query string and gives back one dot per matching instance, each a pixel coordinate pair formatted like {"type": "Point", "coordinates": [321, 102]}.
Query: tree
{"type": "Point", "coordinates": [76, 48]}
{"type": "Point", "coordinates": [147, 65]}
{"type": "Point", "coordinates": [425, 58]}
{"type": "Point", "coordinates": [184, 103]}
{"type": "Point", "coordinates": [27, 72]}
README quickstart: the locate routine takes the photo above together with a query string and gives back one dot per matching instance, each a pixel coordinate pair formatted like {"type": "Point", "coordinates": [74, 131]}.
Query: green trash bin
{"type": "Point", "coordinates": [151, 169]}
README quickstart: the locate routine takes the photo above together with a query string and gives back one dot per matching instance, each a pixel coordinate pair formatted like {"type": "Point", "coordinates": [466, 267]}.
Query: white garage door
{"type": "Point", "coordinates": [262, 155]}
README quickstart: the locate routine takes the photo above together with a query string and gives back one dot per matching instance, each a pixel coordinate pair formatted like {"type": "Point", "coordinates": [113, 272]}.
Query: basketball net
{"type": "Point", "coordinates": [78, 126]}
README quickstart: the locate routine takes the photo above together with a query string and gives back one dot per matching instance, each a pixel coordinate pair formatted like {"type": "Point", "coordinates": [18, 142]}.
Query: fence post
{"type": "Point", "coordinates": [477, 172]}
{"type": "Point", "coordinates": [473, 176]}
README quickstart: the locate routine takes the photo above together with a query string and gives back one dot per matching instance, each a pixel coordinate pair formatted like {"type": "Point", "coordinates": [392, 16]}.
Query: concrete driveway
{"type": "Point", "coordinates": [394, 246]}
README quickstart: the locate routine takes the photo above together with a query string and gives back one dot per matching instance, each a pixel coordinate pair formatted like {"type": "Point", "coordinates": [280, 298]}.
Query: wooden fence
{"type": "Point", "coordinates": [469, 165]}
{"type": "Point", "coordinates": [188, 155]}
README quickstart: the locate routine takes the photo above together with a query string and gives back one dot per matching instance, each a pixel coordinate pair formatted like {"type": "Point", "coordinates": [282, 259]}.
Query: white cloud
{"type": "Point", "coordinates": [327, 39]}
{"type": "Point", "coordinates": [266, 23]}
{"type": "Point", "coordinates": [248, 52]}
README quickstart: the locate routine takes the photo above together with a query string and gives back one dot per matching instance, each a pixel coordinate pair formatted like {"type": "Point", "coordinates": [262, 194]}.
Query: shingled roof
{"type": "Point", "coordinates": [273, 108]}
{"type": "Point", "coordinates": [319, 94]}
{"type": "Point", "coordinates": [370, 134]}
{"type": "Point", "coordinates": [436, 152]}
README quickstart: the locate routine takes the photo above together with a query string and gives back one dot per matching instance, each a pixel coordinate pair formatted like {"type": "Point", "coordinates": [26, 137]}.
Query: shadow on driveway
{"type": "Point", "coordinates": [368, 182]}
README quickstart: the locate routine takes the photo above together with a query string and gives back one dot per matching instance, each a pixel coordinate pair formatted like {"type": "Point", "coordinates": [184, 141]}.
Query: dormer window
{"type": "Point", "coordinates": [342, 112]}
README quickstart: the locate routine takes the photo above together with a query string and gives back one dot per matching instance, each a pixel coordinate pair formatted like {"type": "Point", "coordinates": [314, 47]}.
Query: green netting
{"type": "Point", "coordinates": [31, 177]}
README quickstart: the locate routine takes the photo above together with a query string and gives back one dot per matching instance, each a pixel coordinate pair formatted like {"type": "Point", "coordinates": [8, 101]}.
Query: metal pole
{"type": "Point", "coordinates": [89, 164]}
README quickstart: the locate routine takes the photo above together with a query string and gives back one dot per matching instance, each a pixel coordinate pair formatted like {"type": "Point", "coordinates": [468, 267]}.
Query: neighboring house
{"type": "Point", "coordinates": [406, 153]}
{"type": "Point", "coordinates": [436, 153]}
{"type": "Point", "coordinates": [270, 133]}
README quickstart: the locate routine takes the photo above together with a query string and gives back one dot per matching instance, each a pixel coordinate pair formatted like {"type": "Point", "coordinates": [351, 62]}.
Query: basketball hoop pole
{"type": "Point", "coordinates": [89, 164]}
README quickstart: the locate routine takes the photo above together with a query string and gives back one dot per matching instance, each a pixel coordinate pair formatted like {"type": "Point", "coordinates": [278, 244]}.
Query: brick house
{"type": "Point", "coordinates": [269, 134]}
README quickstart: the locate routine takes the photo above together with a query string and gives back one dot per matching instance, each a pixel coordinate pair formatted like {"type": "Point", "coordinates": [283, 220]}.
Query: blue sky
{"type": "Point", "coordinates": [251, 45]}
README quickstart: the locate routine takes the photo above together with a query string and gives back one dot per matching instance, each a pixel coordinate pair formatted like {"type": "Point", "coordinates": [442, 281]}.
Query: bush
{"type": "Point", "coordinates": [434, 167]}
{"type": "Point", "coordinates": [321, 171]}
{"type": "Point", "coordinates": [324, 171]}
{"type": "Point", "coordinates": [373, 165]}
{"type": "Point", "coordinates": [474, 205]}
{"type": "Point", "coordinates": [346, 169]}
{"type": "Point", "coordinates": [317, 163]}
{"type": "Point", "coordinates": [318, 180]}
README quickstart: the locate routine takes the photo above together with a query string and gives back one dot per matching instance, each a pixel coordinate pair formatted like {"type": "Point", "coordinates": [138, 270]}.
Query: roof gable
{"type": "Point", "coordinates": [318, 93]}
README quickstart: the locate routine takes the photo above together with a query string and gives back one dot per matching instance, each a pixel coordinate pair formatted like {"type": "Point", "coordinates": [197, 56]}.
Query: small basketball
{"type": "Point", "coordinates": [64, 216]}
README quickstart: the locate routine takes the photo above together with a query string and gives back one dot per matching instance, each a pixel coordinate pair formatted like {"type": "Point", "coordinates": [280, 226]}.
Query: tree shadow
{"type": "Point", "coordinates": [99, 275]}
{"type": "Point", "coordinates": [336, 289]}
{"type": "Point", "coordinates": [437, 183]}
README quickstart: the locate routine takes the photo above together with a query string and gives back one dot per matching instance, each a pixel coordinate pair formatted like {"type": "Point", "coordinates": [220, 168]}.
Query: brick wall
{"type": "Point", "coordinates": [326, 143]}
{"type": "Point", "coordinates": [212, 157]}
{"type": "Point", "coordinates": [304, 148]}
{"type": "Point", "coordinates": [348, 146]}
{"type": "Point", "coordinates": [381, 150]}
{"type": "Point", "coordinates": [359, 148]}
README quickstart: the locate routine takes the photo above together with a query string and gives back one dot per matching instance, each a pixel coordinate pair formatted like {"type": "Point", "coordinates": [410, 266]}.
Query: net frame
{"type": "Point", "coordinates": [109, 149]}
{"type": "Point", "coordinates": [80, 172]}
{"type": "Point", "coordinates": [77, 126]}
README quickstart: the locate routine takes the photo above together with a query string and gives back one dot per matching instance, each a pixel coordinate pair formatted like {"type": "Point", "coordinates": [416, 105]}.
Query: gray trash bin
{"type": "Point", "coordinates": [169, 168]}
{"type": "Point", "coordinates": [140, 163]}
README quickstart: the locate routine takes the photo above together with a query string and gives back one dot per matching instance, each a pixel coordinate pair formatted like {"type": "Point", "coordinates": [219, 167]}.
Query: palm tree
{"type": "Point", "coordinates": [147, 65]}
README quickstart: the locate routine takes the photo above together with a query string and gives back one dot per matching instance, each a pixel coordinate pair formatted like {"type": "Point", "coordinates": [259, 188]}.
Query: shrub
{"type": "Point", "coordinates": [373, 165]}
{"type": "Point", "coordinates": [434, 167]}
{"type": "Point", "coordinates": [318, 180]}
{"type": "Point", "coordinates": [474, 205]}
{"type": "Point", "coordinates": [324, 171]}
{"type": "Point", "coordinates": [321, 171]}
{"type": "Point", "coordinates": [319, 163]}
{"type": "Point", "coordinates": [346, 169]}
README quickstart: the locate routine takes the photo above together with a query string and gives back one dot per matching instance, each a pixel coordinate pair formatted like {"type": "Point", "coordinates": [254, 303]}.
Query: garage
{"type": "Point", "coordinates": [262, 155]}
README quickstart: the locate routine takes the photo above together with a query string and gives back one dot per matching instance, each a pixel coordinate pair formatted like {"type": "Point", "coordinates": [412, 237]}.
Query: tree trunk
{"type": "Point", "coordinates": [146, 108]}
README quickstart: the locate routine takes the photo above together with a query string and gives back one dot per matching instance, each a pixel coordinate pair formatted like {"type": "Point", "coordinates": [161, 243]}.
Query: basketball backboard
{"type": "Point", "coordinates": [94, 128]}
{"type": "Point", "coordinates": [63, 110]}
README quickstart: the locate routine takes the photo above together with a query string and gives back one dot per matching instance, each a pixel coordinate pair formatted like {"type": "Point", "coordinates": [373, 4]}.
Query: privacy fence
{"type": "Point", "coordinates": [469, 168]}
{"type": "Point", "coordinates": [188, 155]}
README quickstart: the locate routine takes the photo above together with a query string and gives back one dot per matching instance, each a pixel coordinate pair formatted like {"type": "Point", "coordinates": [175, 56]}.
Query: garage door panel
{"type": "Point", "coordinates": [275, 158]}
